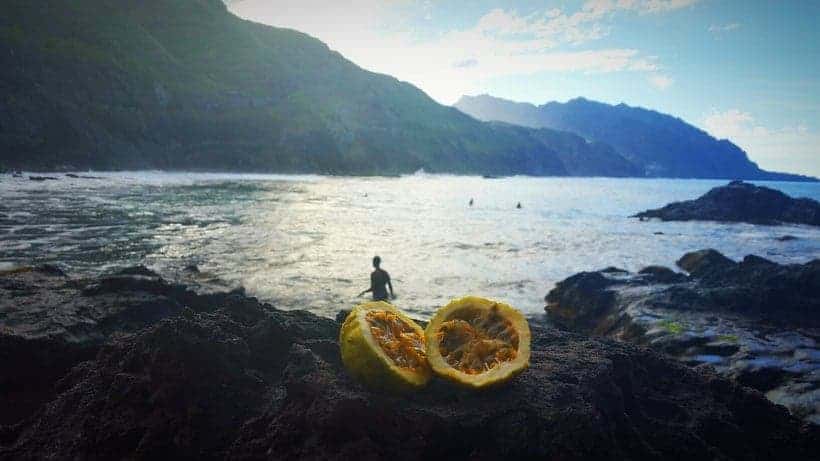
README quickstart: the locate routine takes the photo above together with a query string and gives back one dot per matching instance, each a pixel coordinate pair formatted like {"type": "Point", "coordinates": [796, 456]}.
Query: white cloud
{"type": "Point", "coordinates": [471, 62]}
{"type": "Point", "coordinates": [728, 124]}
{"type": "Point", "coordinates": [542, 29]}
{"type": "Point", "coordinates": [641, 6]}
{"type": "Point", "coordinates": [790, 148]}
{"type": "Point", "coordinates": [378, 36]}
{"type": "Point", "coordinates": [660, 81]}
{"type": "Point", "coordinates": [720, 28]}
{"type": "Point", "coordinates": [662, 6]}
{"type": "Point", "coordinates": [554, 26]}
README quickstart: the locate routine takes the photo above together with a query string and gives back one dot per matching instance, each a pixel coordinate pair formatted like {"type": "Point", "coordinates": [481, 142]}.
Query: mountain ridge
{"type": "Point", "coordinates": [186, 85]}
{"type": "Point", "coordinates": [662, 145]}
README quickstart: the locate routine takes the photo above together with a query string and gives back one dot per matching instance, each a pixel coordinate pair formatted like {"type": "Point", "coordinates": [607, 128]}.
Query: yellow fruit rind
{"type": "Point", "coordinates": [367, 362]}
{"type": "Point", "coordinates": [499, 374]}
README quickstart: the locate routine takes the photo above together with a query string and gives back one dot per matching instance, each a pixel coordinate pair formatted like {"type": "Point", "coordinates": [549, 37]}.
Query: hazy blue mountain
{"type": "Point", "coordinates": [659, 144]}
{"type": "Point", "coordinates": [184, 84]}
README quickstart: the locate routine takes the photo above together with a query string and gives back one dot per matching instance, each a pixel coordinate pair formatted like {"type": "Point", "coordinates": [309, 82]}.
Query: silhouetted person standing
{"type": "Point", "coordinates": [471, 202]}
{"type": "Point", "coordinates": [518, 206]}
{"type": "Point", "coordinates": [379, 282]}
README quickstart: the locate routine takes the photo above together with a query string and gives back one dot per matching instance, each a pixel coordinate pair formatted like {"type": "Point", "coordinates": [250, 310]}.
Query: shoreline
{"type": "Point", "coordinates": [307, 174]}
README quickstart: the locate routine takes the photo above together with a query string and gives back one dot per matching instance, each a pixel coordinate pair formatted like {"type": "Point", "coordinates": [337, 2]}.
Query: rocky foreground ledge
{"type": "Point", "coordinates": [754, 321]}
{"type": "Point", "coordinates": [130, 366]}
{"type": "Point", "coordinates": [739, 201]}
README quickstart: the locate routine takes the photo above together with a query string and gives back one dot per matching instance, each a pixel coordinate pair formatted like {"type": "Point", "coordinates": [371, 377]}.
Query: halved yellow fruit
{"type": "Point", "coordinates": [478, 343]}
{"type": "Point", "coordinates": [383, 348]}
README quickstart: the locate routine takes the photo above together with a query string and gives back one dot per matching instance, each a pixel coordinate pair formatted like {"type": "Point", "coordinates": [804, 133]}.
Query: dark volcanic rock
{"type": "Point", "coordinates": [138, 270]}
{"type": "Point", "coordinates": [226, 377]}
{"type": "Point", "coordinates": [77, 176]}
{"type": "Point", "coordinates": [703, 261]}
{"type": "Point", "coordinates": [192, 268]}
{"type": "Point", "coordinates": [756, 321]}
{"type": "Point", "coordinates": [49, 323]}
{"type": "Point", "coordinates": [660, 274]}
{"type": "Point", "coordinates": [741, 202]}
{"type": "Point", "coordinates": [43, 178]}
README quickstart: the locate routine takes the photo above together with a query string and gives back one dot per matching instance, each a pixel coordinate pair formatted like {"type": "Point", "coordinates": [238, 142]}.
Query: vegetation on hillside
{"type": "Point", "coordinates": [184, 84]}
{"type": "Point", "coordinates": [658, 145]}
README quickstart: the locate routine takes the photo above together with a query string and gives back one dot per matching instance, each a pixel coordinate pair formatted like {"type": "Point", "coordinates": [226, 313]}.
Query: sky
{"type": "Point", "coordinates": [748, 71]}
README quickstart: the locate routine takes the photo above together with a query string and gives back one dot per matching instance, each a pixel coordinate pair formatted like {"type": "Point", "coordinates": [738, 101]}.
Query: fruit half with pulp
{"type": "Point", "coordinates": [478, 343]}
{"type": "Point", "coordinates": [383, 348]}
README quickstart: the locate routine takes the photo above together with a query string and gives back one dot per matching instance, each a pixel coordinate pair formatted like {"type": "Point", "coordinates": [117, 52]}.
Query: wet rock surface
{"type": "Point", "coordinates": [43, 178]}
{"type": "Point", "coordinates": [184, 376]}
{"type": "Point", "coordinates": [78, 176]}
{"type": "Point", "coordinates": [739, 201]}
{"type": "Point", "coordinates": [754, 321]}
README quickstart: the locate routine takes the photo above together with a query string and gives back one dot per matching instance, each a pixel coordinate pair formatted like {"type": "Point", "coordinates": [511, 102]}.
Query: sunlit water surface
{"type": "Point", "coordinates": [306, 242]}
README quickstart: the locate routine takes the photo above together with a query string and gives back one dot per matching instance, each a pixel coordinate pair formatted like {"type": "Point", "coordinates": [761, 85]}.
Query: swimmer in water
{"type": "Point", "coordinates": [379, 282]}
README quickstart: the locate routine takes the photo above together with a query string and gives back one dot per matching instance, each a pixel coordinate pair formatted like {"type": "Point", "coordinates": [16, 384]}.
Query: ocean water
{"type": "Point", "coordinates": [306, 242]}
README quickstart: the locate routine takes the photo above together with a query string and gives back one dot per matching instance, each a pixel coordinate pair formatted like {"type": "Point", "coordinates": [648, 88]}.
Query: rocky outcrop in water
{"type": "Point", "coordinates": [78, 176]}
{"type": "Point", "coordinates": [168, 373]}
{"type": "Point", "coordinates": [42, 178]}
{"type": "Point", "coordinates": [739, 201]}
{"type": "Point", "coordinates": [754, 320]}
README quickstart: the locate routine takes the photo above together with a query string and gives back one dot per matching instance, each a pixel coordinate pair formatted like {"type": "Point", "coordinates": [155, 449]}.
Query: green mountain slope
{"type": "Point", "coordinates": [184, 84]}
{"type": "Point", "coordinates": [659, 144]}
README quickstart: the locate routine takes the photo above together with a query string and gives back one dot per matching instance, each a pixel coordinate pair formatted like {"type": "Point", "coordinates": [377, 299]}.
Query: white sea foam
{"type": "Point", "coordinates": [306, 241]}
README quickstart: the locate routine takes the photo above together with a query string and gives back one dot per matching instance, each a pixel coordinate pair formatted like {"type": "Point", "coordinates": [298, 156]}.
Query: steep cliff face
{"type": "Point", "coordinates": [658, 144]}
{"type": "Point", "coordinates": [112, 84]}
